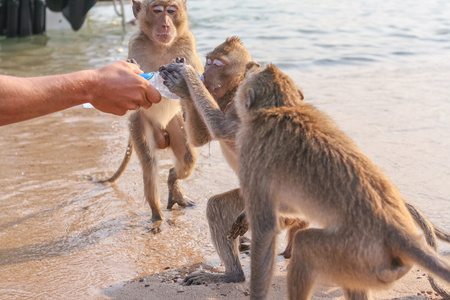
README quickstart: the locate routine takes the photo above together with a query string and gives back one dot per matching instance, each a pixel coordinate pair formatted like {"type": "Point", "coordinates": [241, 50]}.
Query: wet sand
{"type": "Point", "coordinates": [64, 237]}
{"type": "Point", "coordinates": [413, 286]}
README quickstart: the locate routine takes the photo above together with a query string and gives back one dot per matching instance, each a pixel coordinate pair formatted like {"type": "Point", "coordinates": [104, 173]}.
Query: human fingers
{"type": "Point", "coordinates": [152, 95]}
{"type": "Point", "coordinates": [135, 67]}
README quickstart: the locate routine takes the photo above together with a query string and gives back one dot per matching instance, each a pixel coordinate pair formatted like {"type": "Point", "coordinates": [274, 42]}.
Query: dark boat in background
{"type": "Point", "coordinates": [20, 18]}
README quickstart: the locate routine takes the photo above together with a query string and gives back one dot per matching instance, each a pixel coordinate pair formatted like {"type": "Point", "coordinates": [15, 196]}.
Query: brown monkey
{"type": "Point", "coordinates": [162, 35]}
{"type": "Point", "coordinates": [293, 159]}
{"type": "Point", "coordinates": [224, 71]}
{"type": "Point", "coordinates": [222, 207]}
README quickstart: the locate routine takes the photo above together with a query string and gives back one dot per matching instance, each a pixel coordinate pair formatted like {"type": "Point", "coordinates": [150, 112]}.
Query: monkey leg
{"type": "Point", "coordinates": [265, 226]}
{"type": "Point", "coordinates": [185, 159]}
{"type": "Point", "coordinates": [240, 227]}
{"type": "Point", "coordinates": [221, 213]}
{"type": "Point", "coordinates": [356, 295]}
{"type": "Point", "coordinates": [293, 225]}
{"type": "Point", "coordinates": [145, 152]}
{"type": "Point", "coordinates": [333, 256]}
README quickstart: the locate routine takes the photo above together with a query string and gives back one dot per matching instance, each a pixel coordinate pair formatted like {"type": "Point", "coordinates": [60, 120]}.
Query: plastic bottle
{"type": "Point", "coordinates": [157, 82]}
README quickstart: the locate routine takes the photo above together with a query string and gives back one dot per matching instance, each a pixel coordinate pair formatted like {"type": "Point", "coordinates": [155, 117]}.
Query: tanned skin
{"type": "Point", "coordinates": [162, 35]}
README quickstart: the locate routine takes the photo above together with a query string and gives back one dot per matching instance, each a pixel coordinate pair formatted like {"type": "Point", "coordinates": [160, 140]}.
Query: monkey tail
{"type": "Point", "coordinates": [442, 234]}
{"type": "Point", "coordinates": [431, 232]}
{"type": "Point", "coordinates": [122, 166]}
{"type": "Point", "coordinates": [424, 257]}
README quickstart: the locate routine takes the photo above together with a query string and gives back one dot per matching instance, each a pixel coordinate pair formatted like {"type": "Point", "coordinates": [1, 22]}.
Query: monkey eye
{"type": "Point", "coordinates": [171, 9]}
{"type": "Point", "coordinates": [218, 63]}
{"type": "Point", "coordinates": [208, 61]}
{"type": "Point", "coordinates": [158, 9]}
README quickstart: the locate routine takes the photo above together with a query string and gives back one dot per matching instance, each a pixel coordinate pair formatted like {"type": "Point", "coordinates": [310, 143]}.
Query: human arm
{"type": "Point", "coordinates": [115, 88]}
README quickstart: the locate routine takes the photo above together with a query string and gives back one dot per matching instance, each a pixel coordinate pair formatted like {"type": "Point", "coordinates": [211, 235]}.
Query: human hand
{"type": "Point", "coordinates": [117, 88]}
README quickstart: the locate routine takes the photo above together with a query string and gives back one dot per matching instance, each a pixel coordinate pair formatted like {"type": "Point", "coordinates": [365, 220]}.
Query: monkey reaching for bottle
{"type": "Point", "coordinates": [224, 71]}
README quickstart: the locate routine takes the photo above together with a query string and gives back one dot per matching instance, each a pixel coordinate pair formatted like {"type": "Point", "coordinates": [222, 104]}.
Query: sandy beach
{"type": "Point", "coordinates": [168, 285]}
{"type": "Point", "coordinates": [64, 236]}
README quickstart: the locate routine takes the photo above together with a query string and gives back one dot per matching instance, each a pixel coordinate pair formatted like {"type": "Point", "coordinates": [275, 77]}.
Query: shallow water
{"type": "Point", "coordinates": [381, 70]}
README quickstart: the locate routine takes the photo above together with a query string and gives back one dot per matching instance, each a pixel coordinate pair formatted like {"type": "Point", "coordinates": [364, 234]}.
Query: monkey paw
{"type": "Point", "coordinates": [239, 228]}
{"type": "Point", "coordinates": [174, 76]}
{"type": "Point", "coordinates": [204, 278]}
{"type": "Point", "coordinates": [176, 196]}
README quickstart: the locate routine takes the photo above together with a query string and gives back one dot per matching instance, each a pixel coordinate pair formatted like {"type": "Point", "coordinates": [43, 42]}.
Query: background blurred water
{"type": "Point", "coordinates": [310, 36]}
{"type": "Point", "coordinates": [380, 69]}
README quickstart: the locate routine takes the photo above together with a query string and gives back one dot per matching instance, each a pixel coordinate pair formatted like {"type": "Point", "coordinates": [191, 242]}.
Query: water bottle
{"type": "Point", "coordinates": [157, 82]}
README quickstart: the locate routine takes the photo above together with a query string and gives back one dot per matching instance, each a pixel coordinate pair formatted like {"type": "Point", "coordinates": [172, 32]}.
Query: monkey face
{"type": "Point", "coordinates": [161, 20]}
{"type": "Point", "coordinates": [216, 75]}
{"type": "Point", "coordinates": [225, 67]}
{"type": "Point", "coordinates": [165, 30]}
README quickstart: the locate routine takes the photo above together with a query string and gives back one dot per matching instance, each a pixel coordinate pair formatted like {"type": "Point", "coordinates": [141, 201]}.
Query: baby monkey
{"type": "Point", "coordinates": [294, 160]}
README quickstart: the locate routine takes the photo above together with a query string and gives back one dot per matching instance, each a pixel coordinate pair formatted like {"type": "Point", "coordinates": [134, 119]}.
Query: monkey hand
{"type": "Point", "coordinates": [240, 226]}
{"type": "Point", "coordinates": [176, 77]}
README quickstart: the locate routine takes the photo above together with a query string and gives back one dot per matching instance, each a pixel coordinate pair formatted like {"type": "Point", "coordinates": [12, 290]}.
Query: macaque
{"type": "Point", "coordinates": [162, 35]}
{"type": "Point", "coordinates": [294, 160]}
{"type": "Point", "coordinates": [181, 79]}
{"type": "Point", "coordinates": [224, 71]}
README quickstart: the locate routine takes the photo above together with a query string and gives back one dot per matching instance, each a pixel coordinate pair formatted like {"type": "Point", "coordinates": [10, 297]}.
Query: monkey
{"type": "Point", "coordinates": [293, 159]}
{"type": "Point", "coordinates": [178, 81]}
{"type": "Point", "coordinates": [162, 35]}
{"type": "Point", "coordinates": [224, 71]}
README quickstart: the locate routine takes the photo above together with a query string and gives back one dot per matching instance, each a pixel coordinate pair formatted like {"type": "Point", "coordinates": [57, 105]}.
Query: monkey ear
{"type": "Point", "coordinates": [251, 65]}
{"type": "Point", "coordinates": [136, 8]}
{"type": "Point", "coordinates": [250, 97]}
{"type": "Point", "coordinates": [300, 92]}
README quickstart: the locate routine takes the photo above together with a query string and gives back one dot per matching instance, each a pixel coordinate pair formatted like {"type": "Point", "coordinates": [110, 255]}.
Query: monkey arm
{"type": "Point", "coordinates": [220, 126]}
{"type": "Point", "coordinates": [198, 133]}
